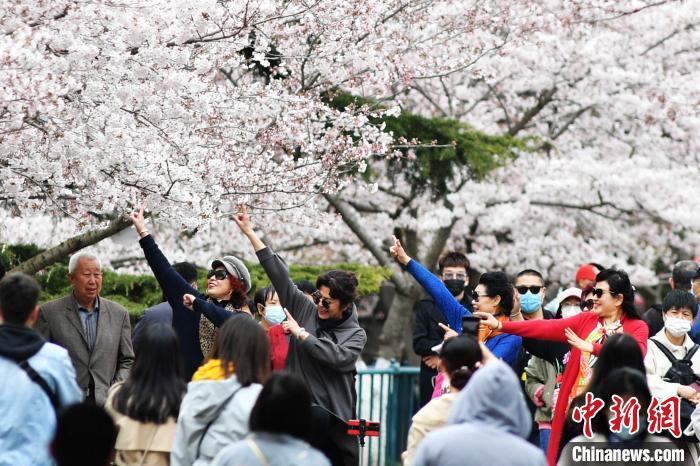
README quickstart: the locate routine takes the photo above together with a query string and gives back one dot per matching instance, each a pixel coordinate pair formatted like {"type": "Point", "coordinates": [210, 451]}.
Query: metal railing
{"type": "Point", "coordinates": [390, 396]}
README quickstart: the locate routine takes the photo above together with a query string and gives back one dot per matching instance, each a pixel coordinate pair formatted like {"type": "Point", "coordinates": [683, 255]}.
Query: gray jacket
{"type": "Point", "coordinates": [112, 357]}
{"type": "Point", "coordinates": [207, 401]}
{"type": "Point", "coordinates": [264, 448]}
{"type": "Point", "coordinates": [490, 421]}
{"type": "Point", "coordinates": [325, 360]}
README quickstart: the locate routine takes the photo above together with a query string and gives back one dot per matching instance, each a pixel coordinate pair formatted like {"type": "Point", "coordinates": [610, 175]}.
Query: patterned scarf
{"type": "Point", "coordinates": [598, 335]}
{"type": "Point", "coordinates": [207, 330]}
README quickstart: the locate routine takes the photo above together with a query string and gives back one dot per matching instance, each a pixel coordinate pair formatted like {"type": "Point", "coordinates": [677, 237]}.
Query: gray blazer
{"type": "Point", "coordinates": [112, 357]}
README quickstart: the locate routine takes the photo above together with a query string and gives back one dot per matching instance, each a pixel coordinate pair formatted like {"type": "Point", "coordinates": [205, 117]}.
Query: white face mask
{"type": "Point", "coordinates": [568, 311]}
{"type": "Point", "coordinates": [677, 326]}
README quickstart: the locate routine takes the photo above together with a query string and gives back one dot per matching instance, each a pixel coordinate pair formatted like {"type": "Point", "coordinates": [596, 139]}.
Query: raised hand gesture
{"type": "Point", "coordinates": [398, 253]}
{"type": "Point", "coordinates": [139, 221]}
{"type": "Point", "coordinates": [243, 220]}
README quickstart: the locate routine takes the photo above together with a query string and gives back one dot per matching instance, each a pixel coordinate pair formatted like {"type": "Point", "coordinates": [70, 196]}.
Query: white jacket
{"type": "Point", "coordinates": [657, 364]}
{"type": "Point", "coordinates": [199, 407]}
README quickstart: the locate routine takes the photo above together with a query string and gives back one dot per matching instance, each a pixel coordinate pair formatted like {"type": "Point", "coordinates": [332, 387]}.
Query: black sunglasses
{"type": "Point", "coordinates": [325, 302]}
{"type": "Point", "coordinates": [218, 274]}
{"type": "Point", "coordinates": [522, 289]}
{"type": "Point", "coordinates": [587, 304]}
{"type": "Point", "coordinates": [598, 292]}
{"type": "Point", "coordinates": [476, 296]}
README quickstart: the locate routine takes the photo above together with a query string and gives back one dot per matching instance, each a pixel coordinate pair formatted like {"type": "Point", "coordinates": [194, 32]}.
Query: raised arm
{"type": "Point", "coordinates": [276, 269]}
{"type": "Point", "coordinates": [172, 284]}
{"type": "Point", "coordinates": [448, 304]}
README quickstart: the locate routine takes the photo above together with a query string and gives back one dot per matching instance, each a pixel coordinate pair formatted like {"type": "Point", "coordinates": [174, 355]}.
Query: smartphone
{"type": "Point", "coordinates": [470, 326]}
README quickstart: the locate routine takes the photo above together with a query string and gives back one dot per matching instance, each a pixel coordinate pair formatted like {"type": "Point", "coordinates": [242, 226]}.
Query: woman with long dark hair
{"type": "Point", "coordinates": [145, 407]}
{"type": "Point", "coordinates": [613, 312]}
{"type": "Point", "coordinates": [276, 439]}
{"type": "Point", "coordinates": [222, 393]}
{"type": "Point", "coordinates": [196, 315]}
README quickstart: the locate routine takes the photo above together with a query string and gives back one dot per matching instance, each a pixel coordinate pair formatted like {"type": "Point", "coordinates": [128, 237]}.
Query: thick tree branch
{"type": "Point", "coordinates": [543, 99]}
{"type": "Point", "coordinates": [351, 219]}
{"type": "Point", "coordinates": [71, 245]}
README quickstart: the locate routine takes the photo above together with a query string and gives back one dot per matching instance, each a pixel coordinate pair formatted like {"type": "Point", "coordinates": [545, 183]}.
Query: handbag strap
{"type": "Point", "coordinates": [218, 413]}
{"type": "Point", "coordinates": [148, 448]}
{"type": "Point", "coordinates": [39, 380]}
{"type": "Point", "coordinates": [257, 451]}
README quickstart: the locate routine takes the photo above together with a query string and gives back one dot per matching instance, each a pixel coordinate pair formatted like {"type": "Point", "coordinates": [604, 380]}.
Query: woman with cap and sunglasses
{"type": "Point", "coordinates": [196, 315]}
{"type": "Point", "coordinates": [326, 344]}
{"type": "Point", "coordinates": [493, 295]}
{"type": "Point", "coordinates": [613, 312]}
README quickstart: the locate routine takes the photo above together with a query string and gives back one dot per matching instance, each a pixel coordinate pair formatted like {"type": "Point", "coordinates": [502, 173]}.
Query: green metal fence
{"type": "Point", "coordinates": [390, 396]}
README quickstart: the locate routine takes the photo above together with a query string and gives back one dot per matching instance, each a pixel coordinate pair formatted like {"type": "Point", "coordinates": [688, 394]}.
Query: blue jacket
{"type": "Point", "coordinates": [28, 418]}
{"type": "Point", "coordinates": [503, 346]}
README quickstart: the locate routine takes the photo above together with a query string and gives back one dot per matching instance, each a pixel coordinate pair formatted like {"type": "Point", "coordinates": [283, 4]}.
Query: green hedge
{"type": "Point", "coordinates": [137, 292]}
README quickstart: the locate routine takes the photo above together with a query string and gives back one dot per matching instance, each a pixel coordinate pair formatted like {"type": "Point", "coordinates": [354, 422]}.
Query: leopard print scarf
{"type": "Point", "coordinates": [207, 330]}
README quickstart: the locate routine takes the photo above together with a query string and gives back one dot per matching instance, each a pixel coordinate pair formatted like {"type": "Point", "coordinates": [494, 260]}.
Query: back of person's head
{"type": "Point", "coordinates": [342, 285]}
{"type": "Point", "coordinates": [619, 350]}
{"type": "Point", "coordinates": [619, 283]}
{"type": "Point", "coordinates": [283, 407]}
{"type": "Point", "coordinates": [85, 436]}
{"type": "Point", "coordinates": [626, 383]}
{"type": "Point", "coordinates": [678, 299]}
{"type": "Point", "coordinates": [453, 259]}
{"type": "Point", "coordinates": [243, 348]}
{"type": "Point", "coordinates": [682, 275]}
{"type": "Point", "coordinates": [498, 284]}
{"type": "Point", "coordinates": [459, 356]}
{"type": "Point", "coordinates": [19, 294]}
{"type": "Point", "coordinates": [186, 270]}
{"type": "Point", "coordinates": [154, 390]}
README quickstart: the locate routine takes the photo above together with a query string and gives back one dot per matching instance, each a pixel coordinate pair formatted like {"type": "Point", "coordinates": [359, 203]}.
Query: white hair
{"type": "Point", "coordinates": [75, 259]}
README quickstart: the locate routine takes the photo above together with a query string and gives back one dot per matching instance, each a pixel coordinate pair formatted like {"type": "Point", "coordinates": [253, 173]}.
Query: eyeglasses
{"type": "Point", "coordinates": [325, 302]}
{"type": "Point", "coordinates": [523, 289]}
{"type": "Point", "coordinates": [598, 292]}
{"type": "Point", "coordinates": [454, 276]}
{"type": "Point", "coordinates": [587, 304]}
{"type": "Point", "coordinates": [218, 274]}
{"type": "Point", "coordinates": [476, 296]}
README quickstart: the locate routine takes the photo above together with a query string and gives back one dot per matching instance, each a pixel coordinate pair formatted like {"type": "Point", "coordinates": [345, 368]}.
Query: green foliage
{"type": "Point", "coordinates": [440, 146]}
{"type": "Point", "coordinates": [14, 254]}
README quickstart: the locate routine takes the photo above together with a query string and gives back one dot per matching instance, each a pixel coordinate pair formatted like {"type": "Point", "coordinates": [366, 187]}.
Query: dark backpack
{"type": "Point", "coordinates": [681, 370]}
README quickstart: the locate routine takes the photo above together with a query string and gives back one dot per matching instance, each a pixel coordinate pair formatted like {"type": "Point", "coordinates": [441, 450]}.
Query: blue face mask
{"type": "Point", "coordinates": [625, 435]}
{"type": "Point", "coordinates": [274, 314]}
{"type": "Point", "coordinates": [529, 302]}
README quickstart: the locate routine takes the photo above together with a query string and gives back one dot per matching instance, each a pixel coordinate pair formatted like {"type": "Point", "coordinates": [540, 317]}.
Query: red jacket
{"type": "Point", "coordinates": [553, 329]}
{"type": "Point", "coordinates": [279, 346]}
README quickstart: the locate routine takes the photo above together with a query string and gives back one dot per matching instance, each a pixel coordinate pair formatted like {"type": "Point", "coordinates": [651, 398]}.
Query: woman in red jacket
{"type": "Point", "coordinates": [613, 312]}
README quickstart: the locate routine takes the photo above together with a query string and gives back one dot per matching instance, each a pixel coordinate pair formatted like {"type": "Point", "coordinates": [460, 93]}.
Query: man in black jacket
{"type": "Point", "coordinates": [680, 279]}
{"type": "Point", "coordinates": [454, 273]}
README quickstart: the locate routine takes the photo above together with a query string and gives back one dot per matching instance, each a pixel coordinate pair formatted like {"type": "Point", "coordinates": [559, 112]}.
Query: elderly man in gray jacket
{"type": "Point", "coordinates": [326, 344]}
{"type": "Point", "coordinates": [95, 331]}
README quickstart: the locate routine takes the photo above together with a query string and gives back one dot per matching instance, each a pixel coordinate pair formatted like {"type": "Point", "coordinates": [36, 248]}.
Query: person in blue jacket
{"type": "Point", "coordinates": [493, 294]}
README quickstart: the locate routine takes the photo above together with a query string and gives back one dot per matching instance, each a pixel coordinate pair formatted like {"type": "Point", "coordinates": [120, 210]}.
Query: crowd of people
{"type": "Point", "coordinates": [222, 378]}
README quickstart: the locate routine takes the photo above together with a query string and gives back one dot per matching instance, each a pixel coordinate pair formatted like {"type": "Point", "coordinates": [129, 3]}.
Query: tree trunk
{"type": "Point", "coordinates": [71, 245]}
{"type": "Point", "coordinates": [393, 344]}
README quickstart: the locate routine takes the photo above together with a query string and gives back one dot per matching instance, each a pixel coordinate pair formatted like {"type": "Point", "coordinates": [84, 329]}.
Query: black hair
{"type": "Point", "coordinates": [283, 407]}
{"type": "Point", "coordinates": [453, 259]}
{"type": "Point", "coordinates": [343, 285]}
{"type": "Point", "coordinates": [306, 286]}
{"type": "Point", "coordinates": [530, 272]}
{"type": "Point", "coordinates": [155, 387]}
{"type": "Point", "coordinates": [682, 274]}
{"type": "Point", "coordinates": [2, 268]}
{"type": "Point", "coordinates": [19, 294]}
{"type": "Point", "coordinates": [460, 355]}
{"type": "Point", "coordinates": [262, 295]}
{"type": "Point", "coordinates": [497, 284]}
{"type": "Point", "coordinates": [620, 350]}
{"type": "Point", "coordinates": [619, 283]}
{"type": "Point", "coordinates": [85, 436]}
{"type": "Point", "coordinates": [624, 382]}
{"type": "Point", "coordinates": [243, 348]}
{"type": "Point", "coordinates": [678, 299]}
{"type": "Point", "coordinates": [597, 266]}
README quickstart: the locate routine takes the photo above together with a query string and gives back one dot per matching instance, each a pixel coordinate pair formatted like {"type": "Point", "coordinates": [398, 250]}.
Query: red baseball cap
{"type": "Point", "coordinates": [586, 272]}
